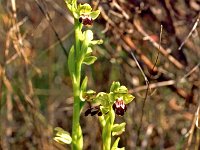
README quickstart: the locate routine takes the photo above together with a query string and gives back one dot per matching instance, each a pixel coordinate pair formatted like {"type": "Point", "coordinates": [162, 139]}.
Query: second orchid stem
{"type": "Point", "coordinates": [107, 129]}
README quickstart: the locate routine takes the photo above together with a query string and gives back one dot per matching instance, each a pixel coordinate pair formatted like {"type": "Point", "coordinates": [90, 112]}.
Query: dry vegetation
{"type": "Point", "coordinates": [35, 88]}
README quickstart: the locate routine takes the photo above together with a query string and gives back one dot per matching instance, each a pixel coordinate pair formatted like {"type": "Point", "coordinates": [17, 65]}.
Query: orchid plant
{"type": "Point", "coordinates": [106, 105]}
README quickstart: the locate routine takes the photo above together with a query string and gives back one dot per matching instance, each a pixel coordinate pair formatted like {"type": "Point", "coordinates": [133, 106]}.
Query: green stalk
{"type": "Point", "coordinates": [77, 138]}
{"type": "Point", "coordinates": [107, 129]}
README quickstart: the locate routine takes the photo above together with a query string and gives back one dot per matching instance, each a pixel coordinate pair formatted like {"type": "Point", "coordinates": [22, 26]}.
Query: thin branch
{"type": "Point", "coordinates": [190, 72]}
{"type": "Point", "coordinates": [160, 39]}
{"type": "Point", "coordinates": [147, 83]}
{"type": "Point", "coordinates": [143, 74]}
{"type": "Point", "coordinates": [46, 14]}
{"type": "Point", "coordinates": [145, 98]}
{"type": "Point", "coordinates": [190, 33]}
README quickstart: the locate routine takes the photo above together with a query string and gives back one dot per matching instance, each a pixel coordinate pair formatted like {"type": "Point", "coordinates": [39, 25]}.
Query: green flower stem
{"type": "Point", "coordinates": [77, 137]}
{"type": "Point", "coordinates": [77, 29]}
{"type": "Point", "coordinates": [107, 129]}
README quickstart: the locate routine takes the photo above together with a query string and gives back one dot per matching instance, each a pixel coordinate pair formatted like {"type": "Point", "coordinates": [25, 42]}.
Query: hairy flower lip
{"type": "Point", "coordinates": [119, 107]}
{"type": "Point", "coordinates": [93, 111]}
{"type": "Point", "coordinates": [86, 20]}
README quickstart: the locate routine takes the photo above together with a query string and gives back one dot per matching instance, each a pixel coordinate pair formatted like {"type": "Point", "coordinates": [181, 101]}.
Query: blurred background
{"type": "Point", "coordinates": [36, 90]}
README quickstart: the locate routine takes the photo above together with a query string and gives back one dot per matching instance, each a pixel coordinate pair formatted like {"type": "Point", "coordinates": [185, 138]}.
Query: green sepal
{"type": "Point", "coordinates": [117, 91]}
{"type": "Point", "coordinates": [89, 60]}
{"type": "Point", "coordinates": [118, 129]}
{"type": "Point", "coordinates": [114, 86]}
{"type": "Point", "coordinates": [84, 9]}
{"type": "Point", "coordinates": [94, 14]}
{"type": "Point", "coordinates": [102, 99]}
{"type": "Point", "coordinates": [128, 98]}
{"type": "Point", "coordinates": [87, 95]}
{"type": "Point", "coordinates": [121, 90]}
{"type": "Point", "coordinates": [62, 136]}
{"type": "Point", "coordinates": [71, 62]}
{"type": "Point", "coordinates": [90, 95]}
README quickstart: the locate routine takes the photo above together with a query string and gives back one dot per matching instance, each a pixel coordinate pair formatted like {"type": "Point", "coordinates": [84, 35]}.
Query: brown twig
{"type": "Point", "coordinates": [190, 133]}
{"type": "Point", "coordinates": [165, 83]}
{"type": "Point", "coordinates": [155, 44]}
{"type": "Point", "coordinates": [153, 86]}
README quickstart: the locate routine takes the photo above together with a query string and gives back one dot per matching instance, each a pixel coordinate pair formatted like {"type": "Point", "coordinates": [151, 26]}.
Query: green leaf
{"type": "Point", "coordinates": [89, 60]}
{"type": "Point", "coordinates": [62, 136]}
{"type": "Point", "coordinates": [71, 62]}
{"type": "Point", "coordinates": [118, 129]}
{"type": "Point", "coordinates": [94, 14]}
